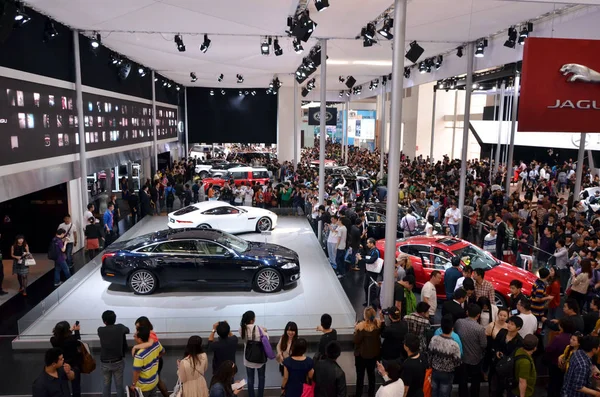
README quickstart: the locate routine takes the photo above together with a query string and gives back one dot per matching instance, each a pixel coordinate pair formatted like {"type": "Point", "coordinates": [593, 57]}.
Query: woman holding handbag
{"type": "Point", "coordinates": [19, 252]}
{"type": "Point", "coordinates": [254, 353]}
{"type": "Point", "coordinates": [191, 369]}
{"type": "Point", "coordinates": [298, 370]}
{"type": "Point", "coordinates": [284, 347]}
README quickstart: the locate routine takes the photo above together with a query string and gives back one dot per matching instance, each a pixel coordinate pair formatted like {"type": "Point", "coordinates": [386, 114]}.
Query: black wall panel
{"type": "Point", "coordinates": [231, 118]}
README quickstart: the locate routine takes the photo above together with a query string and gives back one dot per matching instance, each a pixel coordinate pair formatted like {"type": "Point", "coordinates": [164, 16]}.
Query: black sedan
{"type": "Point", "coordinates": [209, 257]}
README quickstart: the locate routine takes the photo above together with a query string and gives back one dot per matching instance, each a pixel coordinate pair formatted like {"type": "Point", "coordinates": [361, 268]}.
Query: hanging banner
{"type": "Point", "coordinates": [560, 87]}
{"type": "Point", "coordinates": [314, 116]}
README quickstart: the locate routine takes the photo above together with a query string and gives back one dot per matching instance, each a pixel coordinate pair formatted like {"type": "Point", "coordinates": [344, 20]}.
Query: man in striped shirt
{"type": "Point", "coordinates": [145, 364]}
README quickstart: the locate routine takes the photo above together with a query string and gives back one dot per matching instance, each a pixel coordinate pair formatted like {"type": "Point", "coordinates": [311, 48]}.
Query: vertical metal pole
{"type": "Point", "coordinates": [513, 132]}
{"type": "Point", "coordinates": [465, 140]}
{"type": "Point", "coordinates": [579, 169]}
{"type": "Point", "coordinates": [295, 125]}
{"type": "Point", "coordinates": [347, 106]}
{"type": "Point", "coordinates": [394, 152]}
{"type": "Point", "coordinates": [432, 124]}
{"type": "Point", "coordinates": [323, 128]}
{"type": "Point", "coordinates": [81, 126]}
{"type": "Point", "coordinates": [454, 124]}
{"type": "Point", "coordinates": [500, 123]}
{"type": "Point", "coordinates": [187, 133]}
{"type": "Point", "coordinates": [382, 135]}
{"type": "Point", "coordinates": [344, 132]}
{"type": "Point", "coordinates": [154, 144]}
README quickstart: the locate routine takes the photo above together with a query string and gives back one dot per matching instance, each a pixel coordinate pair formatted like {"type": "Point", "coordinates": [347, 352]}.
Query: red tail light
{"type": "Point", "coordinates": [108, 255]}
{"type": "Point", "coordinates": [183, 221]}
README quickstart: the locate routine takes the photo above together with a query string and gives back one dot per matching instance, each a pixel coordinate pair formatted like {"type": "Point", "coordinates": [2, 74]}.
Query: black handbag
{"type": "Point", "coordinates": [255, 352]}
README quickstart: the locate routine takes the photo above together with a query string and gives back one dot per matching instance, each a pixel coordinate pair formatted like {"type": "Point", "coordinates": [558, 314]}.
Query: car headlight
{"type": "Point", "coordinates": [289, 265]}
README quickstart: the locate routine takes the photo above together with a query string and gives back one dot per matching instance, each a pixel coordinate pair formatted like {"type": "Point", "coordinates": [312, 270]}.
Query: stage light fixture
{"type": "Point", "coordinates": [371, 86]}
{"type": "Point", "coordinates": [341, 79]}
{"type": "Point", "coordinates": [205, 44]}
{"type": "Point", "coordinates": [525, 30]}
{"type": "Point", "coordinates": [96, 41]}
{"type": "Point", "coordinates": [384, 80]}
{"type": "Point", "coordinates": [452, 84]}
{"type": "Point", "coordinates": [253, 93]}
{"type": "Point", "coordinates": [246, 92]}
{"type": "Point", "coordinates": [50, 31]}
{"type": "Point", "coordinates": [220, 78]}
{"type": "Point", "coordinates": [438, 62]}
{"type": "Point", "coordinates": [321, 4]}
{"type": "Point", "coordinates": [348, 93]}
{"type": "Point", "coordinates": [341, 94]}
{"type": "Point", "coordinates": [240, 78]}
{"type": "Point", "coordinates": [297, 46]}
{"type": "Point", "coordinates": [193, 77]}
{"type": "Point", "coordinates": [386, 30]}
{"type": "Point", "coordinates": [512, 38]}
{"type": "Point", "coordinates": [222, 92]}
{"type": "Point", "coordinates": [277, 50]}
{"type": "Point", "coordinates": [475, 86]}
{"type": "Point", "coordinates": [240, 93]}
{"type": "Point", "coordinates": [375, 83]}
{"type": "Point", "coordinates": [406, 72]}
{"type": "Point", "coordinates": [480, 48]}
{"type": "Point", "coordinates": [116, 59]}
{"type": "Point", "coordinates": [179, 41]}
{"type": "Point", "coordinates": [169, 85]}
{"type": "Point", "coordinates": [21, 18]}
{"type": "Point", "coordinates": [177, 87]}
{"type": "Point", "coordinates": [305, 92]}
{"type": "Point", "coordinates": [415, 52]}
{"type": "Point", "coordinates": [367, 42]}
{"type": "Point", "coordinates": [370, 31]}
{"type": "Point", "coordinates": [155, 79]}
{"type": "Point", "coordinates": [212, 92]}
{"type": "Point", "coordinates": [459, 52]}
{"type": "Point", "coordinates": [264, 47]}
{"type": "Point", "coordinates": [350, 81]}
{"type": "Point", "coordinates": [165, 83]}
{"type": "Point", "coordinates": [422, 67]}
{"type": "Point", "coordinates": [440, 85]}
{"type": "Point", "coordinates": [142, 71]}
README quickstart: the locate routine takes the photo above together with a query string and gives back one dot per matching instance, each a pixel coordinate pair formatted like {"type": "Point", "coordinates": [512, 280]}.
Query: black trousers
{"type": "Point", "coordinates": [556, 378]}
{"type": "Point", "coordinates": [466, 372]}
{"type": "Point", "coordinates": [362, 365]}
{"type": "Point", "coordinates": [373, 291]}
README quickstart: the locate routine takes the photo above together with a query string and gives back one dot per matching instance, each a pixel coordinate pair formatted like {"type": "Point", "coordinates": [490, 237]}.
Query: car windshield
{"type": "Point", "coordinates": [476, 257]}
{"type": "Point", "coordinates": [233, 242]}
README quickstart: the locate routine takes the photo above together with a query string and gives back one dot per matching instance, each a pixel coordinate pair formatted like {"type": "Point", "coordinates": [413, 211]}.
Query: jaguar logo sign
{"type": "Point", "coordinates": [560, 90]}
{"type": "Point", "coordinates": [314, 116]}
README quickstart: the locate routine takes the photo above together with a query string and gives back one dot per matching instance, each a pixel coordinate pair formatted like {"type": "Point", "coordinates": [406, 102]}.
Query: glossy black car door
{"type": "Point", "coordinates": [219, 264]}
{"type": "Point", "coordinates": [177, 261]}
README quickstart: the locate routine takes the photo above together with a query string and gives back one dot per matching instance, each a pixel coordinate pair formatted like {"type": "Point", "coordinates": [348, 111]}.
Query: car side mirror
{"type": "Point", "coordinates": [228, 254]}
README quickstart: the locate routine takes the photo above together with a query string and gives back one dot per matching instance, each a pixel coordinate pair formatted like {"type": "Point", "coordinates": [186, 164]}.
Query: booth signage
{"type": "Point", "coordinates": [314, 116]}
{"type": "Point", "coordinates": [560, 89]}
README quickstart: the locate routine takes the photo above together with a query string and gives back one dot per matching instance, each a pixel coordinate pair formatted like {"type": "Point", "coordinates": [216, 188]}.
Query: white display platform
{"type": "Point", "coordinates": [177, 313]}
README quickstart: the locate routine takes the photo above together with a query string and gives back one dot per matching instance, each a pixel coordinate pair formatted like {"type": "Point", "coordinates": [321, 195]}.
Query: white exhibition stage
{"type": "Point", "coordinates": [177, 313]}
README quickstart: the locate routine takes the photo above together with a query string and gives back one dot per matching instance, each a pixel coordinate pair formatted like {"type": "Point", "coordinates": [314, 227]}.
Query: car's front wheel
{"type": "Point", "coordinates": [204, 226]}
{"type": "Point", "coordinates": [263, 224]}
{"type": "Point", "coordinates": [143, 282]}
{"type": "Point", "coordinates": [203, 174]}
{"type": "Point", "coordinates": [268, 280]}
{"type": "Point", "coordinates": [499, 299]}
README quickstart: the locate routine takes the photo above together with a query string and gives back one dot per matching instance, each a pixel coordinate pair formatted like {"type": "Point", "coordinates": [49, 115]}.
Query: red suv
{"type": "Point", "coordinates": [248, 175]}
{"type": "Point", "coordinates": [435, 253]}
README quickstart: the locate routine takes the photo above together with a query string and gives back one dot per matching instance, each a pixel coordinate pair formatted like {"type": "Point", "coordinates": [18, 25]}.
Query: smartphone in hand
{"type": "Point", "coordinates": [238, 385]}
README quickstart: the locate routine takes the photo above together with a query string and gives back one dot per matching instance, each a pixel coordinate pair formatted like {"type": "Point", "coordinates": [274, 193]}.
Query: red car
{"type": "Point", "coordinates": [434, 253]}
{"type": "Point", "coordinates": [248, 175]}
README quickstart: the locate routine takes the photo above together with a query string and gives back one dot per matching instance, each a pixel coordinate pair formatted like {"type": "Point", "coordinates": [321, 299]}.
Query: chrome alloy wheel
{"type": "Point", "coordinates": [264, 224]}
{"type": "Point", "coordinates": [268, 280]}
{"type": "Point", "coordinates": [142, 282]}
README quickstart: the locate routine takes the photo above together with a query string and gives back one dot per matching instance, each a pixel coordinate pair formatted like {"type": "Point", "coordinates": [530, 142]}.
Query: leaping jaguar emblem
{"type": "Point", "coordinates": [580, 73]}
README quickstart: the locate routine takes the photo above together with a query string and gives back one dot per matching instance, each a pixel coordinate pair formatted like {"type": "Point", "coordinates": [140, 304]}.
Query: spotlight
{"type": "Point", "coordinates": [21, 18]}
{"type": "Point", "coordinates": [386, 30]}
{"type": "Point", "coordinates": [95, 41]}
{"type": "Point", "coordinates": [253, 93]}
{"type": "Point", "coordinates": [165, 83]}
{"type": "Point", "coordinates": [440, 84]}
{"type": "Point", "coordinates": [302, 27]}
{"type": "Point", "coordinates": [205, 44]}
{"type": "Point", "coordinates": [438, 62]}
{"type": "Point", "coordinates": [305, 92]}
{"type": "Point", "coordinates": [240, 78]}
{"type": "Point", "coordinates": [50, 31]}
{"type": "Point", "coordinates": [179, 41]}
{"type": "Point", "coordinates": [155, 79]}
{"type": "Point", "coordinates": [370, 31]}
{"type": "Point", "coordinates": [341, 94]}
{"type": "Point", "coordinates": [212, 92]}
{"type": "Point", "coordinates": [459, 52]}
{"type": "Point", "coordinates": [475, 86]}
{"type": "Point", "coordinates": [350, 81]}
{"type": "Point", "coordinates": [422, 67]}
{"type": "Point", "coordinates": [277, 50]}
{"type": "Point", "coordinates": [367, 42]}
{"type": "Point", "coordinates": [222, 92]}
{"type": "Point", "coordinates": [371, 86]}
{"type": "Point", "coordinates": [246, 93]}
{"type": "Point", "coordinates": [297, 46]}
{"type": "Point", "coordinates": [452, 84]}
{"type": "Point", "coordinates": [341, 79]}
{"type": "Point", "coordinates": [321, 4]}
{"type": "Point", "coordinates": [142, 71]}
{"type": "Point", "coordinates": [384, 80]}
{"type": "Point", "coordinates": [525, 32]}
{"type": "Point", "coordinates": [375, 83]}
{"type": "Point", "coordinates": [193, 77]}
{"type": "Point", "coordinates": [348, 93]}
{"type": "Point", "coordinates": [481, 45]}
{"type": "Point", "coordinates": [512, 38]}
{"type": "Point", "coordinates": [116, 60]}
{"type": "Point", "coordinates": [407, 72]}
{"type": "Point", "coordinates": [414, 52]}
{"type": "Point", "coordinates": [241, 93]}
{"type": "Point", "coordinates": [264, 47]}
{"type": "Point", "coordinates": [220, 78]}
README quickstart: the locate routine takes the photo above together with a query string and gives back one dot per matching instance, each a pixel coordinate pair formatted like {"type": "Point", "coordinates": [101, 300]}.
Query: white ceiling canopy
{"type": "Point", "coordinates": [144, 30]}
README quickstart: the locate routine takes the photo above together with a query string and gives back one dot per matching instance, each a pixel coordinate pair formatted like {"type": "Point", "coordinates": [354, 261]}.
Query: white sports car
{"type": "Point", "coordinates": [223, 216]}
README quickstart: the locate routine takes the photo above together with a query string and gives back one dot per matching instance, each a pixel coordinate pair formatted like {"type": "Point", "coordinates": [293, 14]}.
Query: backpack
{"type": "Point", "coordinates": [505, 369]}
{"type": "Point", "coordinates": [52, 251]}
{"type": "Point", "coordinates": [411, 301]}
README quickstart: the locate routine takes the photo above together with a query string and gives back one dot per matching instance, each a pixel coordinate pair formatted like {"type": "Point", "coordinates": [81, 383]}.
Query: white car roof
{"type": "Point", "coordinates": [248, 169]}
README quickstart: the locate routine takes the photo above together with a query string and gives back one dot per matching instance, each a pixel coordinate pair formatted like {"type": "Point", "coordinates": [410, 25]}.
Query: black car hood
{"type": "Point", "coordinates": [257, 249]}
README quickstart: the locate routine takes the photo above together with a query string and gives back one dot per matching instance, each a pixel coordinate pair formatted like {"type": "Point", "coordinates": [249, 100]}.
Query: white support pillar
{"type": "Point", "coordinates": [394, 153]}
{"type": "Point", "coordinates": [579, 169]}
{"type": "Point", "coordinates": [432, 124]}
{"type": "Point", "coordinates": [346, 121]}
{"type": "Point", "coordinates": [81, 129]}
{"type": "Point", "coordinates": [513, 132]}
{"type": "Point", "coordinates": [295, 125]}
{"type": "Point", "coordinates": [187, 132]}
{"type": "Point", "coordinates": [154, 132]}
{"type": "Point", "coordinates": [452, 157]}
{"type": "Point", "coordinates": [382, 135]}
{"type": "Point", "coordinates": [500, 124]}
{"type": "Point", "coordinates": [465, 138]}
{"type": "Point", "coordinates": [323, 129]}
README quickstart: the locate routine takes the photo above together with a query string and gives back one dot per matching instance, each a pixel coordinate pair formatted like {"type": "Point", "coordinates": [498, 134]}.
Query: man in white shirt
{"type": "Point", "coordinates": [408, 223]}
{"type": "Point", "coordinates": [453, 216]}
{"type": "Point", "coordinates": [342, 233]}
{"type": "Point", "coordinates": [70, 238]}
{"type": "Point", "coordinates": [467, 273]}
{"type": "Point", "coordinates": [530, 322]}
{"type": "Point", "coordinates": [89, 214]}
{"type": "Point", "coordinates": [429, 293]}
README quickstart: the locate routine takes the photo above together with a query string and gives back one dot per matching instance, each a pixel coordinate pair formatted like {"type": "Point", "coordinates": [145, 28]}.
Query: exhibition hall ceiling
{"type": "Point", "coordinates": [144, 30]}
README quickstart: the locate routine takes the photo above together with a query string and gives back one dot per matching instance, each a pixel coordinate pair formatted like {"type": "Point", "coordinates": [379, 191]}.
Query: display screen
{"type": "Point", "coordinates": [39, 121]}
